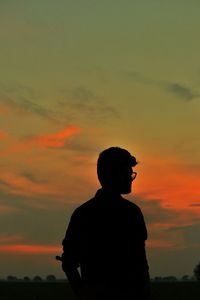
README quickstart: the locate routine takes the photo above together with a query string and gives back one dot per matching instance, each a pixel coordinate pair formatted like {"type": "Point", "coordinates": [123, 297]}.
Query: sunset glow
{"type": "Point", "coordinates": [56, 140]}
{"type": "Point", "coordinates": [29, 249]}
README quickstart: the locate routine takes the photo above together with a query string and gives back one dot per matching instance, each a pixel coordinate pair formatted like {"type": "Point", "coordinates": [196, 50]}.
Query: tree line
{"type": "Point", "coordinates": [35, 278]}
{"type": "Point", "coordinates": [51, 277]}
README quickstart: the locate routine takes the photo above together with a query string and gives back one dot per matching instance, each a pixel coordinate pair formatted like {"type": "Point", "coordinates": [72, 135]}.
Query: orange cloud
{"type": "Point", "coordinates": [3, 134]}
{"type": "Point", "coordinates": [55, 140]}
{"type": "Point", "coordinates": [4, 109]}
{"type": "Point", "coordinates": [30, 249]}
{"type": "Point", "coordinates": [160, 244]}
{"type": "Point", "coordinates": [6, 209]}
{"type": "Point", "coordinates": [20, 185]}
{"type": "Point", "coordinates": [9, 238]}
{"type": "Point", "coordinates": [175, 185]}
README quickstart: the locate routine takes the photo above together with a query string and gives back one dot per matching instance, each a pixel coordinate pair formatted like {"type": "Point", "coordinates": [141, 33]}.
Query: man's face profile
{"type": "Point", "coordinates": [123, 180]}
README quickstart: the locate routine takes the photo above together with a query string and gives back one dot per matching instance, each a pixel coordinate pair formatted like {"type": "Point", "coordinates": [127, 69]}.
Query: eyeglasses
{"type": "Point", "coordinates": [133, 175]}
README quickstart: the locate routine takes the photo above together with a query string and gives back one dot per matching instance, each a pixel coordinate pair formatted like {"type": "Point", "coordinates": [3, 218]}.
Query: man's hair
{"type": "Point", "coordinates": [112, 159]}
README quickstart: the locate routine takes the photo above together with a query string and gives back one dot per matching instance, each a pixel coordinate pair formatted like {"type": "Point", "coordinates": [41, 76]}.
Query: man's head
{"type": "Point", "coordinates": [114, 169]}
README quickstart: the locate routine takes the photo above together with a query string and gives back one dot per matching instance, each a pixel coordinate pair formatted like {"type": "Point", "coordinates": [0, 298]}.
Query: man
{"type": "Point", "coordinates": [106, 237]}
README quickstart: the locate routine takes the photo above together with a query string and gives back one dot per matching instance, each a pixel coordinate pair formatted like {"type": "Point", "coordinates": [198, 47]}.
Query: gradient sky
{"type": "Point", "coordinates": [78, 77]}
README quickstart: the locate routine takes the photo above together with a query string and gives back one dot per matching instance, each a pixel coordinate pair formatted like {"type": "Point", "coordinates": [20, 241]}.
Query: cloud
{"type": "Point", "coordinates": [31, 170]}
{"type": "Point", "coordinates": [36, 108]}
{"type": "Point", "coordinates": [58, 184]}
{"type": "Point", "coordinates": [53, 140]}
{"type": "Point", "coordinates": [164, 218]}
{"type": "Point", "coordinates": [10, 238]}
{"type": "Point", "coordinates": [18, 90]}
{"type": "Point", "coordinates": [82, 102]}
{"type": "Point", "coordinates": [49, 221]}
{"type": "Point", "coordinates": [159, 243]}
{"type": "Point", "coordinates": [137, 76]}
{"type": "Point", "coordinates": [181, 91]}
{"type": "Point", "coordinates": [168, 227]}
{"type": "Point", "coordinates": [83, 146]}
{"type": "Point", "coordinates": [7, 209]}
{"type": "Point", "coordinates": [195, 205]}
{"type": "Point", "coordinates": [3, 134]}
{"type": "Point", "coordinates": [28, 106]}
{"type": "Point", "coordinates": [58, 140]}
{"type": "Point", "coordinates": [75, 104]}
{"type": "Point", "coordinates": [157, 214]}
{"type": "Point", "coordinates": [175, 183]}
{"type": "Point", "coordinates": [191, 232]}
{"type": "Point", "coordinates": [32, 177]}
{"type": "Point", "coordinates": [81, 94]}
{"type": "Point", "coordinates": [23, 100]}
{"type": "Point", "coordinates": [20, 185]}
{"type": "Point", "coordinates": [30, 249]}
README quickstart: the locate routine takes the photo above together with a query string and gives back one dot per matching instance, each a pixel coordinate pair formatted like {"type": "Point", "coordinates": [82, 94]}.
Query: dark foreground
{"type": "Point", "coordinates": [61, 291]}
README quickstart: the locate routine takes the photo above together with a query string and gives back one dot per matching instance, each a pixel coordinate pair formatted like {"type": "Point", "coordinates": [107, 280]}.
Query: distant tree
{"type": "Point", "coordinates": [26, 278]}
{"type": "Point", "coordinates": [37, 278]}
{"type": "Point", "coordinates": [185, 277]}
{"type": "Point", "coordinates": [170, 278]}
{"type": "Point", "coordinates": [51, 277]}
{"type": "Point", "coordinates": [158, 278]}
{"type": "Point", "coordinates": [11, 278]}
{"type": "Point", "coordinates": [197, 272]}
{"type": "Point", "coordinates": [192, 278]}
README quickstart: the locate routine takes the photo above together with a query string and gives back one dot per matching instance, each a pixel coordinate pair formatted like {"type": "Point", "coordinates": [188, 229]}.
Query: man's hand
{"type": "Point", "coordinates": [59, 258]}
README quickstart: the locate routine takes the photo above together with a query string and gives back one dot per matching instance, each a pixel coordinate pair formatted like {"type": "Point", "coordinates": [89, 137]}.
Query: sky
{"type": "Point", "coordinates": [76, 78]}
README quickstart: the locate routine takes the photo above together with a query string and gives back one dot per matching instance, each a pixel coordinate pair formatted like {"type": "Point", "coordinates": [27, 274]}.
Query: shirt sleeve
{"type": "Point", "coordinates": [70, 245]}
{"type": "Point", "coordinates": [142, 237]}
{"type": "Point", "coordinates": [143, 225]}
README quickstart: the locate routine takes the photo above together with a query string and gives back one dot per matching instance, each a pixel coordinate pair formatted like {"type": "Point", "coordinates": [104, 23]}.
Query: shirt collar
{"type": "Point", "coordinates": [105, 194]}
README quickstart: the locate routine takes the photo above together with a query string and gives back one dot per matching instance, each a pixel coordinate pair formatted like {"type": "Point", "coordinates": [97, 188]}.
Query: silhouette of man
{"type": "Point", "coordinates": [106, 237]}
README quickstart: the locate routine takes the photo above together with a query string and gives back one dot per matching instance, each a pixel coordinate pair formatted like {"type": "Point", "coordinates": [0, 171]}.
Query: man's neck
{"type": "Point", "coordinates": [111, 192]}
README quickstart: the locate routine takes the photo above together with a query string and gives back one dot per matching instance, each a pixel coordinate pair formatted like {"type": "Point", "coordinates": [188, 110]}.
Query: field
{"type": "Point", "coordinates": [61, 290]}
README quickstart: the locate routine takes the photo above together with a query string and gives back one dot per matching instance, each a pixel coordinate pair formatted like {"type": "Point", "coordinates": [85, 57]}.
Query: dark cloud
{"type": "Point", "coordinates": [75, 103]}
{"type": "Point", "coordinates": [4, 183]}
{"type": "Point", "coordinates": [27, 105]}
{"type": "Point", "coordinates": [136, 76]}
{"type": "Point", "coordinates": [22, 98]}
{"type": "Point", "coordinates": [169, 228]}
{"type": "Point", "coordinates": [18, 90]}
{"type": "Point", "coordinates": [32, 178]}
{"type": "Point", "coordinates": [195, 205]}
{"type": "Point", "coordinates": [38, 109]}
{"type": "Point", "coordinates": [154, 212]}
{"type": "Point", "coordinates": [29, 220]}
{"type": "Point", "coordinates": [183, 92]}
{"type": "Point", "coordinates": [81, 94]}
{"type": "Point", "coordinates": [83, 145]}
{"type": "Point", "coordinates": [80, 101]}
{"type": "Point", "coordinates": [191, 233]}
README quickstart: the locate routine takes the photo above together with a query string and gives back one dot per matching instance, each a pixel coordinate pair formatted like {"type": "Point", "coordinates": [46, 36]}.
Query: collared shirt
{"type": "Point", "coordinates": [106, 239]}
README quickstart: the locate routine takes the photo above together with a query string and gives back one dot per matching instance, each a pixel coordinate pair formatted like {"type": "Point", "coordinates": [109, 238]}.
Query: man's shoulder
{"type": "Point", "coordinates": [131, 205]}
{"type": "Point", "coordinates": [94, 204]}
{"type": "Point", "coordinates": [84, 207]}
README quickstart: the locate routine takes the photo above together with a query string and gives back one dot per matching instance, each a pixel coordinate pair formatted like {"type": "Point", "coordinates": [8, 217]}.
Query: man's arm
{"type": "Point", "coordinates": [70, 259]}
{"type": "Point", "coordinates": [74, 278]}
{"type": "Point", "coordinates": [145, 278]}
